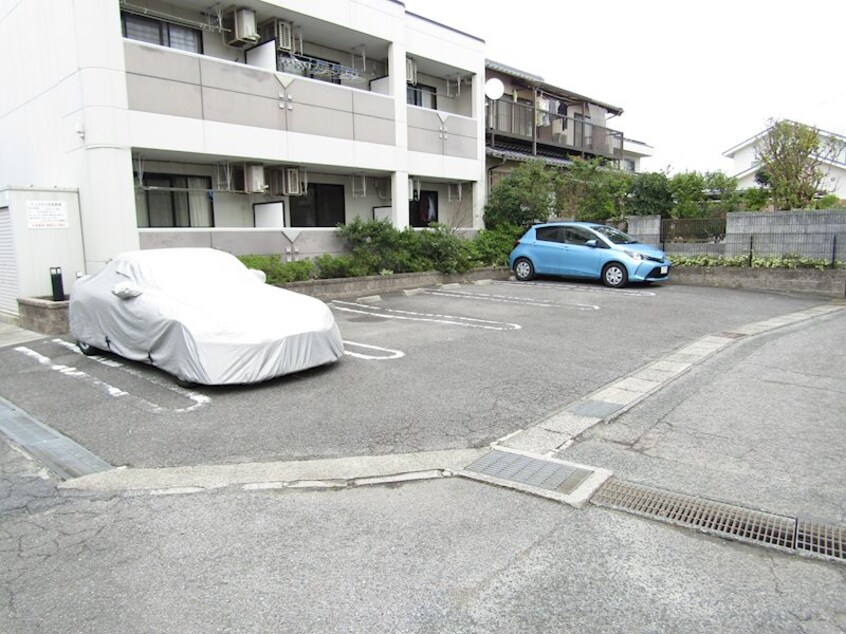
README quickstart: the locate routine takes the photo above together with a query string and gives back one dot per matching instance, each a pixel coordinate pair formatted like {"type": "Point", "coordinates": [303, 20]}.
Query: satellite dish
{"type": "Point", "coordinates": [494, 88]}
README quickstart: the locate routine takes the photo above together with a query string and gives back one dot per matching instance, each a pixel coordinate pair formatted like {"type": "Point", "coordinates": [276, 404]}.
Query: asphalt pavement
{"type": "Point", "coordinates": [251, 518]}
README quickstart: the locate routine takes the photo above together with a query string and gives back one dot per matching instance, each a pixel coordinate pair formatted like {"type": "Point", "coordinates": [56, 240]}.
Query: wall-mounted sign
{"type": "Point", "coordinates": [46, 214]}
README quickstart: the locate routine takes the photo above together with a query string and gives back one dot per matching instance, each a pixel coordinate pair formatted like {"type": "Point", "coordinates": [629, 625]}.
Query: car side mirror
{"type": "Point", "coordinates": [591, 243]}
{"type": "Point", "coordinates": [126, 290]}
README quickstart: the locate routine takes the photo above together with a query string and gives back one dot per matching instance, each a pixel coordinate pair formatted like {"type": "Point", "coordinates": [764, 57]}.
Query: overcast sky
{"type": "Point", "coordinates": [693, 79]}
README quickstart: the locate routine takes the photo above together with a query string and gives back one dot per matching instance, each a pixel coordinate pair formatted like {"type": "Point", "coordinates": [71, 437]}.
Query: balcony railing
{"type": "Point", "coordinates": [525, 122]}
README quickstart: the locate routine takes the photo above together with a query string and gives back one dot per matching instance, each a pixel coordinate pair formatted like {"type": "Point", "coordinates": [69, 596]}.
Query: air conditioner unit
{"type": "Point", "coordinates": [254, 179]}
{"type": "Point", "coordinates": [280, 30]}
{"type": "Point", "coordinates": [293, 182]}
{"type": "Point", "coordinates": [240, 27]}
{"type": "Point", "coordinates": [410, 71]}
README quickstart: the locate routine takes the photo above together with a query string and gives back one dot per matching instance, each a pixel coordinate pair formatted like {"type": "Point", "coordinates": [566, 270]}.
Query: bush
{"type": "Point", "coordinates": [491, 247]}
{"type": "Point", "coordinates": [446, 251]}
{"type": "Point", "coordinates": [331, 266]}
{"type": "Point", "coordinates": [279, 272]}
{"type": "Point", "coordinates": [789, 261]}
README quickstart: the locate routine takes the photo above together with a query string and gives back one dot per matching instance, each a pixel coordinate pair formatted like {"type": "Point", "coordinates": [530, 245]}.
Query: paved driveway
{"type": "Point", "coordinates": [756, 425]}
{"type": "Point", "coordinates": [444, 369]}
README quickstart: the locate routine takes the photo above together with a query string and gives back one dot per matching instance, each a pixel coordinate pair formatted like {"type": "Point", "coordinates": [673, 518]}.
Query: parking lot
{"type": "Point", "coordinates": [756, 425]}
{"type": "Point", "coordinates": [445, 368]}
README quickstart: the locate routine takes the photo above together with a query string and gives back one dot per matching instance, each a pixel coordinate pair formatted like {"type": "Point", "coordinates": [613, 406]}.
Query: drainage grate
{"type": "Point", "coordinates": [821, 539]}
{"type": "Point", "coordinates": [725, 520]}
{"type": "Point", "coordinates": [535, 472]}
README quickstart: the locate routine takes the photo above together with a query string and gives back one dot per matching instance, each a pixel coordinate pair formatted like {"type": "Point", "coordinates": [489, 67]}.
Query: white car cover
{"type": "Point", "coordinates": [202, 316]}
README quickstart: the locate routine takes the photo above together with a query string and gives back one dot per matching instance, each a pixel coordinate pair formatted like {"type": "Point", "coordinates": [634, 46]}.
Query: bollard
{"type": "Point", "coordinates": [58, 287]}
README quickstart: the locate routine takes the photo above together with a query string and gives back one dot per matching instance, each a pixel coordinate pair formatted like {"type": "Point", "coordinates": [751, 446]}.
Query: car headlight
{"type": "Point", "coordinates": [634, 255]}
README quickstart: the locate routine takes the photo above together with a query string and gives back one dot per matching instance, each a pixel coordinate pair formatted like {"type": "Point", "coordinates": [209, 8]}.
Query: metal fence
{"type": "Point", "coordinates": [717, 237]}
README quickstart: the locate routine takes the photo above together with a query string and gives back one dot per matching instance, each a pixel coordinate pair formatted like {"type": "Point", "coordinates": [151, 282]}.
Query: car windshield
{"type": "Point", "coordinates": [614, 235]}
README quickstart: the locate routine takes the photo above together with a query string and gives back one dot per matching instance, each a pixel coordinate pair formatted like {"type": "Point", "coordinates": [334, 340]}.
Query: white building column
{"type": "Point", "coordinates": [399, 179]}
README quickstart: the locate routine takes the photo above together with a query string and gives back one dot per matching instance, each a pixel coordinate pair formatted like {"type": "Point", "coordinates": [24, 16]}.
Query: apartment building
{"type": "Point", "coordinates": [528, 118]}
{"type": "Point", "coordinates": [253, 128]}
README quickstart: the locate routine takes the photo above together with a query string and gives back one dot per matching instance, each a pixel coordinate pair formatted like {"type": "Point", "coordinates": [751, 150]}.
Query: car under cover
{"type": "Point", "coordinates": [203, 316]}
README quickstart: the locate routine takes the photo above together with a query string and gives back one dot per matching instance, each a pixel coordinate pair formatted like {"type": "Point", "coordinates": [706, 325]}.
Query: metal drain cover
{"type": "Point", "coordinates": [717, 518]}
{"type": "Point", "coordinates": [528, 471]}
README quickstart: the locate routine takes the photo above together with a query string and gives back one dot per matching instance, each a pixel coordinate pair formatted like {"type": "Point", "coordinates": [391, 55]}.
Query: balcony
{"type": "Point", "coordinates": [170, 82]}
{"type": "Point", "coordinates": [515, 125]}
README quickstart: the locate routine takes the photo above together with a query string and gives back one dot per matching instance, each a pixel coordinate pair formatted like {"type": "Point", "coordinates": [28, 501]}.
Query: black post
{"type": "Point", "coordinates": [834, 250]}
{"type": "Point", "coordinates": [58, 287]}
{"type": "Point", "coordinates": [751, 245]}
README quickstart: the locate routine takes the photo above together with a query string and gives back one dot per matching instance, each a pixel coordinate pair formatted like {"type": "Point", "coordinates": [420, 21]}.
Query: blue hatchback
{"type": "Point", "coordinates": [587, 250]}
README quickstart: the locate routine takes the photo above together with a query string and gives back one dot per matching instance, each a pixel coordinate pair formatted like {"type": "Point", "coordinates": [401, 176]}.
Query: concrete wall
{"type": "Point", "coordinates": [811, 234]}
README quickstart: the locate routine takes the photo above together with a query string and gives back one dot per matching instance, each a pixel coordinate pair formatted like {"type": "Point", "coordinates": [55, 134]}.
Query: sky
{"type": "Point", "coordinates": [693, 78]}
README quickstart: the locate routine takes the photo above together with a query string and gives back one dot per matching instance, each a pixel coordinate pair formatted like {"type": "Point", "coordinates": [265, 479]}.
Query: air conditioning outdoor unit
{"type": "Point", "coordinates": [280, 30]}
{"type": "Point", "coordinates": [293, 182]}
{"type": "Point", "coordinates": [254, 182]}
{"type": "Point", "coordinates": [410, 71]}
{"type": "Point", "coordinates": [240, 27]}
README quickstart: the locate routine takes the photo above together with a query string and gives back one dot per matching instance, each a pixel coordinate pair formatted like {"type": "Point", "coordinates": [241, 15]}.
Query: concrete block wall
{"type": "Point", "coordinates": [812, 234]}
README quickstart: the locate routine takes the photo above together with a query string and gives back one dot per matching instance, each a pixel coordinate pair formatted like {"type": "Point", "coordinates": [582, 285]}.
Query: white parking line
{"type": "Point", "coordinates": [389, 313]}
{"type": "Point", "coordinates": [200, 400]}
{"type": "Point", "coordinates": [390, 354]}
{"type": "Point", "coordinates": [511, 300]}
{"type": "Point", "coordinates": [584, 289]}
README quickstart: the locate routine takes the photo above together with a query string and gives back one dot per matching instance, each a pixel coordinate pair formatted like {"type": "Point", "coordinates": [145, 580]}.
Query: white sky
{"type": "Point", "coordinates": [693, 79]}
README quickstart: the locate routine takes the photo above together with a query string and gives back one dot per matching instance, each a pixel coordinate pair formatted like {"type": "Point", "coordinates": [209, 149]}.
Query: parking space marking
{"type": "Point", "coordinates": [390, 354]}
{"type": "Point", "coordinates": [504, 299]}
{"type": "Point", "coordinates": [200, 400]}
{"type": "Point", "coordinates": [583, 289]}
{"type": "Point", "coordinates": [451, 320]}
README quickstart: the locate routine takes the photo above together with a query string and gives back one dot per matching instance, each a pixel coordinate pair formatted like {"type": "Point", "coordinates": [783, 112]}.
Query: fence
{"type": "Point", "coordinates": [817, 235]}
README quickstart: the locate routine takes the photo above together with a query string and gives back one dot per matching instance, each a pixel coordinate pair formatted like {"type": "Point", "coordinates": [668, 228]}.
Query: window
{"type": "Point", "coordinates": [424, 210]}
{"type": "Point", "coordinates": [576, 235]}
{"type": "Point", "coordinates": [423, 96]}
{"type": "Point", "coordinates": [183, 38]}
{"type": "Point", "coordinates": [175, 201]}
{"type": "Point", "coordinates": [549, 234]}
{"type": "Point", "coordinates": [628, 165]}
{"type": "Point", "coordinates": [322, 206]}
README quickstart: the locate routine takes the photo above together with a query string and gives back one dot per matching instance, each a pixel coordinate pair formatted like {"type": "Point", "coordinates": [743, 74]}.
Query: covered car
{"type": "Point", "coordinates": [201, 315]}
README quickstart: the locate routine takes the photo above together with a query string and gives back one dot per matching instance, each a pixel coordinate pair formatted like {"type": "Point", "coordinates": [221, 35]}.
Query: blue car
{"type": "Point", "coordinates": [587, 250]}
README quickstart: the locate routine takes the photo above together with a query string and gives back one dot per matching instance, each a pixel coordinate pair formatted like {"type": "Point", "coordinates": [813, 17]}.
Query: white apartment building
{"type": "Point", "coordinates": [253, 128]}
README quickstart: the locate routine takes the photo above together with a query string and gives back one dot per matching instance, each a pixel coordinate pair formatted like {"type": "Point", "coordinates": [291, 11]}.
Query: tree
{"type": "Point", "coordinates": [792, 156]}
{"type": "Point", "coordinates": [650, 194]}
{"type": "Point", "coordinates": [524, 197]}
{"type": "Point", "coordinates": [592, 191]}
{"type": "Point", "coordinates": [688, 195]}
{"type": "Point", "coordinates": [722, 193]}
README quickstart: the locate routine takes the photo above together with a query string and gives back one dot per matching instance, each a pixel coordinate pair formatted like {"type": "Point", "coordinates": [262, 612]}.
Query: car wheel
{"type": "Point", "coordinates": [615, 275]}
{"type": "Point", "coordinates": [524, 270]}
{"type": "Point", "coordinates": [87, 349]}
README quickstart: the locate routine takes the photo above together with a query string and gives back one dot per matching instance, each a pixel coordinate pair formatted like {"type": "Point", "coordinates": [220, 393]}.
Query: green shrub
{"type": "Point", "coordinates": [491, 247]}
{"type": "Point", "coordinates": [445, 251]}
{"type": "Point", "coordinates": [279, 272]}
{"type": "Point", "coordinates": [789, 261]}
{"type": "Point", "coordinates": [331, 266]}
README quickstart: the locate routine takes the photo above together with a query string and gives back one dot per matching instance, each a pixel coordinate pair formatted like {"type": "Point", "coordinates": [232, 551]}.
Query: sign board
{"type": "Point", "coordinates": [47, 214]}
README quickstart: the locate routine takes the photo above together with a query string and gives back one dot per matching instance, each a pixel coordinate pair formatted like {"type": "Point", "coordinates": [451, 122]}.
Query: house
{"type": "Point", "coordinates": [746, 163]}
{"type": "Point", "coordinates": [254, 128]}
{"type": "Point", "coordinates": [527, 118]}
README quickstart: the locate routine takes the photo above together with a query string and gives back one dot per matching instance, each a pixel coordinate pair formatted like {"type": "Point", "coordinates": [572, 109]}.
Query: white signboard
{"type": "Point", "coordinates": [46, 214]}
